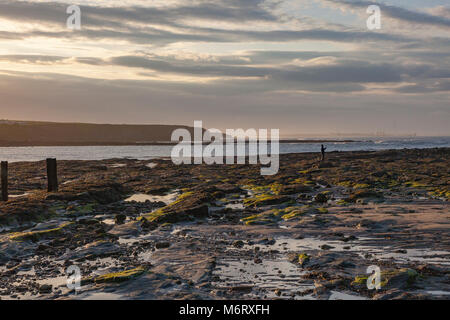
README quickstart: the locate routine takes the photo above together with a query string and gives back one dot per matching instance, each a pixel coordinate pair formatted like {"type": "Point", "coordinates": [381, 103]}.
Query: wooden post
{"type": "Point", "coordinates": [4, 178]}
{"type": "Point", "coordinates": [52, 175]}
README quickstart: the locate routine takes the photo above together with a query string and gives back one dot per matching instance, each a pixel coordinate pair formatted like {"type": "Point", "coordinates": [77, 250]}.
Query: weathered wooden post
{"type": "Point", "coordinates": [52, 175]}
{"type": "Point", "coordinates": [4, 178]}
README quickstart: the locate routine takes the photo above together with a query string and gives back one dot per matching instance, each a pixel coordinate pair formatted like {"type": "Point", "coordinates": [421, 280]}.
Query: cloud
{"type": "Point", "coordinates": [35, 59]}
{"type": "Point", "coordinates": [162, 26]}
{"type": "Point", "coordinates": [421, 88]}
{"type": "Point", "coordinates": [439, 19]}
{"type": "Point", "coordinates": [335, 71]}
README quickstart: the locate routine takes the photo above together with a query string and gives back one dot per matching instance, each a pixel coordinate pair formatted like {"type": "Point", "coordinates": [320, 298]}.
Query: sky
{"type": "Point", "coordinates": [306, 67]}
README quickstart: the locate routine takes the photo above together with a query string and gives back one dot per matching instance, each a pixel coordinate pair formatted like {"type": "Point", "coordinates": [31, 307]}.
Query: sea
{"type": "Point", "coordinates": [147, 152]}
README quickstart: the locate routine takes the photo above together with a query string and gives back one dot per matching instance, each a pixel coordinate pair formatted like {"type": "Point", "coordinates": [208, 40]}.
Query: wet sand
{"type": "Point", "coordinates": [153, 230]}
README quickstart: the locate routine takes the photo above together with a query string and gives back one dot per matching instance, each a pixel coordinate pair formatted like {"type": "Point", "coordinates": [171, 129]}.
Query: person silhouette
{"type": "Point", "coordinates": [322, 150]}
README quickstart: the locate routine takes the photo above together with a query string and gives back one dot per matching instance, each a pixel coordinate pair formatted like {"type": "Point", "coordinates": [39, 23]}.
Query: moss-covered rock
{"type": "Point", "coordinates": [390, 279]}
{"type": "Point", "coordinates": [189, 205]}
{"type": "Point", "coordinates": [363, 194]}
{"type": "Point", "coordinates": [321, 198]}
{"type": "Point", "coordinates": [118, 277]}
{"type": "Point", "coordinates": [293, 189]}
{"type": "Point", "coordinates": [264, 218]}
{"type": "Point", "coordinates": [265, 199]}
{"type": "Point", "coordinates": [303, 259]}
{"type": "Point", "coordinates": [40, 234]}
{"type": "Point", "coordinates": [275, 216]}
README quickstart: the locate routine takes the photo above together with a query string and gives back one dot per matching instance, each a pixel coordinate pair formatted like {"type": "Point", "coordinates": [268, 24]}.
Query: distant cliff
{"type": "Point", "coordinates": [30, 133]}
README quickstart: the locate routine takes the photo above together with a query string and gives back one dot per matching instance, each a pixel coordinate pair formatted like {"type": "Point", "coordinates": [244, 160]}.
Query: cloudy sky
{"type": "Point", "coordinates": [303, 66]}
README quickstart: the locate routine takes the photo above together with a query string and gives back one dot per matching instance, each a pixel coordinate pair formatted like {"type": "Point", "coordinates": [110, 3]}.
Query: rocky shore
{"type": "Point", "coordinates": [152, 230]}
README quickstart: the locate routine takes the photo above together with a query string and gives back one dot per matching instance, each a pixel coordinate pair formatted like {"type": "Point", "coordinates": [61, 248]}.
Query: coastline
{"type": "Point", "coordinates": [150, 143]}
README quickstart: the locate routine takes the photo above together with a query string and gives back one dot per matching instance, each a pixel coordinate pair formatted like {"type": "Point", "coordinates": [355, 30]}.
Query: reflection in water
{"type": "Point", "coordinates": [264, 277]}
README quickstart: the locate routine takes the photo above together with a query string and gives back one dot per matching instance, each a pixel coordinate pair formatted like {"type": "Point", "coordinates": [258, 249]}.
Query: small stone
{"type": "Point", "coordinates": [120, 218]}
{"type": "Point", "coordinates": [162, 245]}
{"type": "Point", "coordinates": [326, 247]}
{"type": "Point", "coordinates": [257, 260]}
{"type": "Point", "coordinates": [321, 198]}
{"type": "Point", "coordinates": [349, 238]}
{"type": "Point", "coordinates": [238, 244]}
{"type": "Point", "coordinates": [45, 288]}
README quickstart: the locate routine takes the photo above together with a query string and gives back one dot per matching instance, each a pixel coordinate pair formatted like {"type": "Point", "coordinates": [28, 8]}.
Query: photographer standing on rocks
{"type": "Point", "coordinates": [322, 150]}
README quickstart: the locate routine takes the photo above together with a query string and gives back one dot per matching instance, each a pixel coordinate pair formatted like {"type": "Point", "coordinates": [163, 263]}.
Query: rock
{"type": "Point", "coordinates": [379, 174]}
{"type": "Point", "coordinates": [43, 248]}
{"type": "Point", "coordinates": [45, 288]}
{"type": "Point", "coordinates": [200, 211]}
{"type": "Point", "coordinates": [393, 280]}
{"type": "Point", "coordinates": [265, 200]}
{"type": "Point", "coordinates": [293, 189]}
{"type": "Point", "coordinates": [303, 197]}
{"type": "Point", "coordinates": [238, 244]}
{"type": "Point", "coordinates": [323, 183]}
{"type": "Point", "coordinates": [349, 238]}
{"type": "Point", "coordinates": [121, 276]}
{"type": "Point", "coordinates": [388, 295]}
{"type": "Point", "coordinates": [188, 206]}
{"type": "Point", "coordinates": [88, 222]}
{"type": "Point", "coordinates": [364, 193]}
{"type": "Point", "coordinates": [257, 260]}
{"type": "Point", "coordinates": [342, 264]}
{"type": "Point", "coordinates": [147, 225]}
{"type": "Point", "coordinates": [120, 218]}
{"type": "Point", "coordinates": [365, 223]}
{"type": "Point", "coordinates": [321, 198]}
{"type": "Point", "coordinates": [432, 270]}
{"type": "Point", "coordinates": [241, 288]}
{"type": "Point", "coordinates": [325, 164]}
{"type": "Point", "coordinates": [402, 279]}
{"type": "Point", "coordinates": [303, 259]}
{"type": "Point", "coordinates": [267, 241]}
{"type": "Point", "coordinates": [93, 250]}
{"type": "Point", "coordinates": [162, 245]}
{"type": "Point", "coordinates": [157, 191]}
{"type": "Point", "coordinates": [319, 289]}
{"type": "Point", "coordinates": [103, 192]}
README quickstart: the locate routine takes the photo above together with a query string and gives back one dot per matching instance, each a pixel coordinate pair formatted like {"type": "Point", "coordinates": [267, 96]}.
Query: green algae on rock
{"type": "Point", "coordinates": [40, 234]}
{"type": "Point", "coordinates": [117, 277]}
{"type": "Point", "coordinates": [400, 279]}
{"type": "Point", "coordinates": [264, 218]}
{"type": "Point", "coordinates": [265, 199]}
{"type": "Point", "coordinates": [303, 259]}
{"type": "Point", "coordinates": [189, 205]}
{"type": "Point", "coordinates": [274, 216]}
